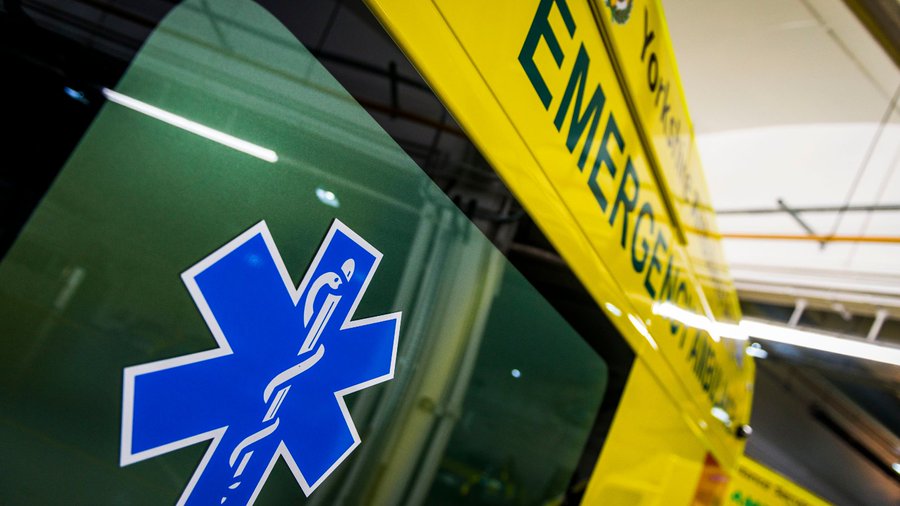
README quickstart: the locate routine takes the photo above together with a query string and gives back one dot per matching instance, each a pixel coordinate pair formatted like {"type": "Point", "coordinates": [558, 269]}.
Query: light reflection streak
{"type": "Point", "coordinates": [191, 126]}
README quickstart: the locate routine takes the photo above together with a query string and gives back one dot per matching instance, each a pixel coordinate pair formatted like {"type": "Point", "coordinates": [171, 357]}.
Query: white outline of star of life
{"type": "Point", "coordinates": [188, 277]}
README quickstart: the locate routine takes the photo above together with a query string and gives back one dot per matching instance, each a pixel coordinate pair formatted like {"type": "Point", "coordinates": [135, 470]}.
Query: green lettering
{"type": "Point", "coordinates": [638, 264]}
{"type": "Point", "coordinates": [592, 111]}
{"type": "Point", "coordinates": [655, 265]}
{"type": "Point", "coordinates": [623, 198]}
{"type": "Point", "coordinates": [540, 29]}
{"type": "Point", "coordinates": [604, 156]}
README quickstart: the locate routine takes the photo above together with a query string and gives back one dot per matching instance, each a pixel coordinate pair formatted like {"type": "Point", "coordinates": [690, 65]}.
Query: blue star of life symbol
{"type": "Point", "coordinates": [274, 387]}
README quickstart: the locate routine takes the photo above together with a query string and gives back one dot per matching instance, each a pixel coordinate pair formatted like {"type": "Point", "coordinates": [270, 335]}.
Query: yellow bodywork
{"type": "Point", "coordinates": [646, 63]}
{"type": "Point", "coordinates": [599, 175]}
{"type": "Point", "coordinates": [755, 485]}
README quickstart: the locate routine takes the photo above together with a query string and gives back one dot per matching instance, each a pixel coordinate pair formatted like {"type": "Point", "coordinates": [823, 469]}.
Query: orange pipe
{"type": "Point", "coordinates": [817, 238]}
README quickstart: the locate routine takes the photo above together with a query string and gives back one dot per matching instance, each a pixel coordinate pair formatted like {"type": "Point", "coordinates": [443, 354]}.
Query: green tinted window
{"type": "Point", "coordinates": [494, 394]}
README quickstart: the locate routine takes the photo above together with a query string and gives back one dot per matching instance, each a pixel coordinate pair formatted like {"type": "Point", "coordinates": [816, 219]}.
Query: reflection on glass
{"type": "Point", "coordinates": [191, 126]}
{"type": "Point", "coordinates": [327, 197]}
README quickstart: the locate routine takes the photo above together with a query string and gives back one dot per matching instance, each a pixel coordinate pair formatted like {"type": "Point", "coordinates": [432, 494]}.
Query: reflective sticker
{"type": "Point", "coordinates": [275, 385]}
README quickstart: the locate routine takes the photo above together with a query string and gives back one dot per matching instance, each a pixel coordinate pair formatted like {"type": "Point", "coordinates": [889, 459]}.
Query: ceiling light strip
{"type": "Point", "coordinates": [813, 340]}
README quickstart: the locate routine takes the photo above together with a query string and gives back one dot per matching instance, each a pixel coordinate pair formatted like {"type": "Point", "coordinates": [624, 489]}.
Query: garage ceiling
{"type": "Point", "coordinates": [794, 100]}
{"type": "Point", "coordinates": [794, 104]}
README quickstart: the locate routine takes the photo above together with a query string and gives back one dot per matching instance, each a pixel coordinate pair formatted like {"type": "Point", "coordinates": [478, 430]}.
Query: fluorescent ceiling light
{"type": "Point", "coordinates": [821, 342]}
{"type": "Point", "coordinates": [191, 126]}
{"type": "Point", "coordinates": [781, 334]}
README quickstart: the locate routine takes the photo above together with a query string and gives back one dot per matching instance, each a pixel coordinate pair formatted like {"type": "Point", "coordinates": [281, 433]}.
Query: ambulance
{"type": "Point", "coordinates": [377, 253]}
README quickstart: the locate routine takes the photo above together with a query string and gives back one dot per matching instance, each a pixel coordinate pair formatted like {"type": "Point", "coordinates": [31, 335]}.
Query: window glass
{"type": "Point", "coordinates": [224, 119]}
